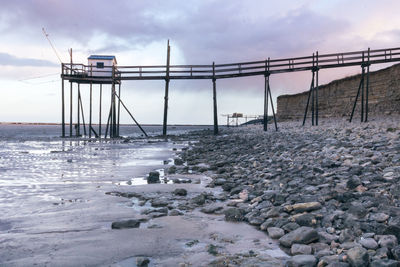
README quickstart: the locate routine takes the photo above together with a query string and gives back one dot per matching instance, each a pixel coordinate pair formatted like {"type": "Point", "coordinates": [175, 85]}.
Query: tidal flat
{"type": "Point", "coordinates": [302, 196]}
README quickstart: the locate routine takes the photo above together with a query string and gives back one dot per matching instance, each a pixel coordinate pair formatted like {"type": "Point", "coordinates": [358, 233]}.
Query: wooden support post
{"type": "Point", "coordinates": [272, 106]}
{"type": "Point", "coordinates": [114, 110]}
{"type": "Point", "coordinates": [362, 90]}
{"type": "Point", "coordinates": [90, 111]}
{"type": "Point", "coordinates": [266, 76]}
{"type": "Point", "coordinates": [310, 93]}
{"type": "Point", "coordinates": [308, 99]}
{"type": "Point", "coordinates": [166, 91]}
{"type": "Point", "coordinates": [119, 106]}
{"type": "Point", "coordinates": [215, 101]}
{"type": "Point", "coordinates": [358, 93]}
{"type": "Point", "coordinates": [114, 113]}
{"type": "Point", "coordinates": [130, 114]}
{"type": "Point", "coordinates": [108, 123]}
{"type": "Point", "coordinates": [101, 93]}
{"type": "Point", "coordinates": [316, 91]}
{"type": "Point", "coordinates": [70, 111]}
{"type": "Point", "coordinates": [62, 109]}
{"type": "Point", "coordinates": [367, 89]}
{"type": "Point", "coordinates": [78, 127]}
{"type": "Point", "coordinates": [83, 114]}
{"type": "Point", "coordinates": [70, 106]}
{"type": "Point", "coordinates": [111, 114]}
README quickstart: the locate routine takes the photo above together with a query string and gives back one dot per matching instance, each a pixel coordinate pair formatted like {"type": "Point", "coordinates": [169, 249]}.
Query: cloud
{"type": "Point", "coordinates": [205, 31]}
{"type": "Point", "coordinates": [10, 60]}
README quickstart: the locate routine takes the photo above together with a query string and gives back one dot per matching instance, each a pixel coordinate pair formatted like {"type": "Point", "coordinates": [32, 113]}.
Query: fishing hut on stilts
{"type": "Point", "coordinates": [101, 70]}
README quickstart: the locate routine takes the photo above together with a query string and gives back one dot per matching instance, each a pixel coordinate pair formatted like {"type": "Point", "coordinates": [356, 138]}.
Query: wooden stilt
{"type": "Point", "coordinates": [83, 114]}
{"type": "Point", "coordinates": [272, 106]}
{"type": "Point", "coordinates": [316, 91]}
{"type": "Point", "coordinates": [166, 91]}
{"type": "Point", "coordinates": [101, 93]}
{"type": "Point", "coordinates": [265, 102]}
{"type": "Point", "coordinates": [130, 114]}
{"type": "Point", "coordinates": [358, 93]}
{"type": "Point", "coordinates": [119, 106]}
{"type": "Point", "coordinates": [266, 95]}
{"type": "Point", "coordinates": [108, 123]}
{"type": "Point", "coordinates": [114, 115]}
{"type": "Point", "coordinates": [70, 111]}
{"type": "Point", "coordinates": [367, 89]}
{"type": "Point", "coordinates": [90, 111]}
{"type": "Point", "coordinates": [215, 101]}
{"type": "Point", "coordinates": [78, 113]}
{"type": "Point", "coordinates": [62, 109]}
{"type": "Point", "coordinates": [308, 99]}
{"type": "Point", "coordinates": [362, 91]}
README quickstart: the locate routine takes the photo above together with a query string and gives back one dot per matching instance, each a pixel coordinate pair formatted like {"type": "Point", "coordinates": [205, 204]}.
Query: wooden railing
{"type": "Point", "coordinates": [240, 69]}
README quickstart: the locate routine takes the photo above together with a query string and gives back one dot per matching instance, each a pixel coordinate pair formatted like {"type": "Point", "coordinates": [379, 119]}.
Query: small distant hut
{"type": "Point", "coordinates": [101, 66]}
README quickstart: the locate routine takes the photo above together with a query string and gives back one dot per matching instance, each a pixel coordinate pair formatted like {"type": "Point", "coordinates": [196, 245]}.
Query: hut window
{"type": "Point", "coordinates": [100, 65]}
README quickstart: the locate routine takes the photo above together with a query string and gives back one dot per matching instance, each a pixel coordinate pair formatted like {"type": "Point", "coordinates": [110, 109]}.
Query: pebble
{"type": "Point", "coordinates": [338, 180]}
{"type": "Point", "coordinates": [234, 215]}
{"type": "Point", "coordinates": [298, 249]}
{"type": "Point", "coordinates": [302, 235]}
{"type": "Point", "coordinates": [368, 243]}
{"type": "Point", "coordinates": [302, 261]}
{"type": "Point", "coordinates": [275, 232]}
{"type": "Point", "coordinates": [125, 224]}
{"type": "Point", "coordinates": [358, 257]}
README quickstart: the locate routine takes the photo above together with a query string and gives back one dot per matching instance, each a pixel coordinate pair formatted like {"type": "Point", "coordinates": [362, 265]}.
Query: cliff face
{"type": "Point", "coordinates": [336, 98]}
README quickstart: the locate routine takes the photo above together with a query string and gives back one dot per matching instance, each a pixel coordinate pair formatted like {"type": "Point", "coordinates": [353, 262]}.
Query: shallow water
{"type": "Point", "coordinates": [35, 132]}
{"type": "Point", "coordinates": [55, 210]}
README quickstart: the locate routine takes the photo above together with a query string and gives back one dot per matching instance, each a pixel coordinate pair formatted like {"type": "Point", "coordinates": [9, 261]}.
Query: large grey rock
{"type": "Point", "coordinates": [379, 217]}
{"type": "Point", "coordinates": [153, 178]}
{"type": "Point", "coordinates": [368, 243]}
{"type": "Point", "coordinates": [275, 232]}
{"type": "Point", "coordinates": [142, 261]}
{"type": "Point", "coordinates": [302, 261]}
{"type": "Point", "coordinates": [234, 215]}
{"type": "Point", "coordinates": [159, 202]}
{"type": "Point", "coordinates": [302, 235]}
{"type": "Point", "coordinates": [396, 252]}
{"type": "Point", "coordinates": [327, 238]}
{"type": "Point", "coordinates": [300, 249]}
{"type": "Point", "coordinates": [125, 224]}
{"type": "Point", "coordinates": [301, 207]}
{"type": "Point", "coordinates": [178, 161]}
{"type": "Point", "coordinates": [198, 200]}
{"type": "Point", "coordinates": [180, 192]}
{"type": "Point", "coordinates": [213, 208]}
{"type": "Point", "coordinates": [384, 263]}
{"type": "Point", "coordinates": [353, 182]}
{"type": "Point", "coordinates": [389, 241]}
{"type": "Point", "coordinates": [358, 257]}
{"type": "Point", "coordinates": [346, 236]}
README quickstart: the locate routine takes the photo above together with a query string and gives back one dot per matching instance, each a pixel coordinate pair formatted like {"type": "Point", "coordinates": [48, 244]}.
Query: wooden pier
{"type": "Point", "coordinates": [81, 74]}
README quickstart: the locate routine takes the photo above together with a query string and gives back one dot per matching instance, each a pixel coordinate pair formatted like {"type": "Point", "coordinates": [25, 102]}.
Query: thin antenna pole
{"type": "Point", "coordinates": [51, 44]}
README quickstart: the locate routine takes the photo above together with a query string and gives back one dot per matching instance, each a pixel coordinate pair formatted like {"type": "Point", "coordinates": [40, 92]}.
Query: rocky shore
{"type": "Point", "coordinates": [329, 194]}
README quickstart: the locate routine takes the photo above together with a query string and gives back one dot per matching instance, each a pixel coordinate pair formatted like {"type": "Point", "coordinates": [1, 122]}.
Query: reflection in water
{"type": "Point", "coordinates": [39, 167]}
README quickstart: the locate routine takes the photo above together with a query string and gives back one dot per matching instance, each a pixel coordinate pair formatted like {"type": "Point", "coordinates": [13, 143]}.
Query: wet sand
{"type": "Point", "coordinates": [57, 210]}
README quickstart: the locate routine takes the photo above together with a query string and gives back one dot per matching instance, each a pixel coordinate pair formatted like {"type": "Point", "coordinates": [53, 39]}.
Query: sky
{"type": "Point", "coordinates": [200, 32]}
